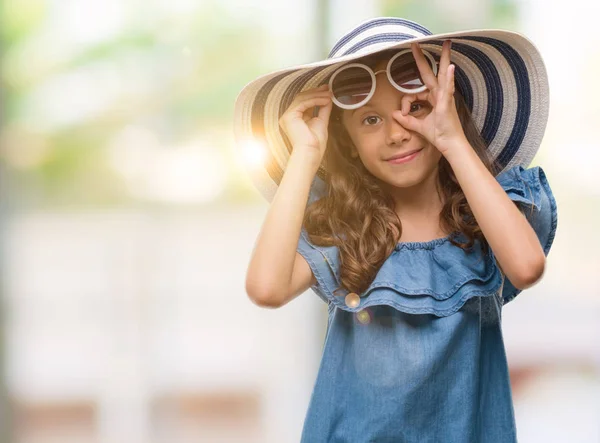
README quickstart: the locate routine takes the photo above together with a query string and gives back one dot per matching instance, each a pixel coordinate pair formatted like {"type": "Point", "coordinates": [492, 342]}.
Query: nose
{"type": "Point", "coordinates": [396, 133]}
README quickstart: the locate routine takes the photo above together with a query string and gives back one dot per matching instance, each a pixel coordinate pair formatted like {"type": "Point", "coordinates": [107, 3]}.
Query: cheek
{"type": "Point", "coordinates": [366, 145]}
{"type": "Point", "coordinates": [368, 153]}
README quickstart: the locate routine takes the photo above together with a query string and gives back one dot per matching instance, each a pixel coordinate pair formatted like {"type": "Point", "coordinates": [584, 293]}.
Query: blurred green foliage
{"type": "Point", "coordinates": [195, 65]}
{"type": "Point", "coordinates": [496, 13]}
{"type": "Point", "coordinates": [175, 74]}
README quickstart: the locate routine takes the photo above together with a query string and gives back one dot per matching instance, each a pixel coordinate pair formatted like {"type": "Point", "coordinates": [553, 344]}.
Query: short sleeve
{"type": "Point", "coordinates": [323, 262]}
{"type": "Point", "coordinates": [531, 190]}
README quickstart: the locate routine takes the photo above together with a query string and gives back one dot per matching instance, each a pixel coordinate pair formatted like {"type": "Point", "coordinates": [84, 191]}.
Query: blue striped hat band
{"type": "Point", "coordinates": [500, 74]}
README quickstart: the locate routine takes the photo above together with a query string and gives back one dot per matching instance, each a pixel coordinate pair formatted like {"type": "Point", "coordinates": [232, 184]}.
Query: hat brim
{"type": "Point", "coordinates": [500, 73]}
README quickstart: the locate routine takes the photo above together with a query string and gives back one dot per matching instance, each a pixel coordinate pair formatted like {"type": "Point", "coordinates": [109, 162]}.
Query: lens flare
{"type": "Point", "coordinates": [254, 152]}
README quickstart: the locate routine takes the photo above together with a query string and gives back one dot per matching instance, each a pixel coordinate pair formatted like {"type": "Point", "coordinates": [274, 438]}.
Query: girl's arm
{"type": "Point", "coordinates": [512, 239]}
{"type": "Point", "coordinates": [276, 272]}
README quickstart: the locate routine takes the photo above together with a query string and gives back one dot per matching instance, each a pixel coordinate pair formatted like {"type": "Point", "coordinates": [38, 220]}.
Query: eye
{"type": "Point", "coordinates": [419, 107]}
{"type": "Point", "coordinates": [370, 118]}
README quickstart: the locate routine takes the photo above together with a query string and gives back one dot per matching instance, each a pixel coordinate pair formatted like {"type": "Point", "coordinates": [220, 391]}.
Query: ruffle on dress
{"type": "Point", "coordinates": [530, 188]}
{"type": "Point", "coordinates": [436, 277]}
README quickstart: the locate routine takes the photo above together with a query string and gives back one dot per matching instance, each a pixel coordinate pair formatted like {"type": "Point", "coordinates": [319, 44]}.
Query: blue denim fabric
{"type": "Point", "coordinates": [530, 188]}
{"type": "Point", "coordinates": [421, 358]}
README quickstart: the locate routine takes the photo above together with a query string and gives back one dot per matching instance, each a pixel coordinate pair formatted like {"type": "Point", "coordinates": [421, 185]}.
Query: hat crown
{"type": "Point", "coordinates": [374, 33]}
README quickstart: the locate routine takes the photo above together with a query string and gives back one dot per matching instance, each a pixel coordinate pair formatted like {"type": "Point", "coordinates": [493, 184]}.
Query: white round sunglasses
{"type": "Point", "coordinates": [353, 85]}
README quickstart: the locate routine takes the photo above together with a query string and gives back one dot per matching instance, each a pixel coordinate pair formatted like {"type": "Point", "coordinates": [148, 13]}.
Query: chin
{"type": "Point", "coordinates": [410, 176]}
{"type": "Point", "coordinates": [407, 181]}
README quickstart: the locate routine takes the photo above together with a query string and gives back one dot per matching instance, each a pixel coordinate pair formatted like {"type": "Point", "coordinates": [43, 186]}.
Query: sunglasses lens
{"type": "Point", "coordinates": [405, 72]}
{"type": "Point", "coordinates": [352, 85]}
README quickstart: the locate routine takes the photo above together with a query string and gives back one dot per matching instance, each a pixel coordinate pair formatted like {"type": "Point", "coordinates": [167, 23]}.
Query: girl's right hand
{"type": "Point", "coordinates": [304, 131]}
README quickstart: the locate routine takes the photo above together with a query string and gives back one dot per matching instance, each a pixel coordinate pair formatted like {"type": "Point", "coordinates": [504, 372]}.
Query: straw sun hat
{"type": "Point", "coordinates": [500, 74]}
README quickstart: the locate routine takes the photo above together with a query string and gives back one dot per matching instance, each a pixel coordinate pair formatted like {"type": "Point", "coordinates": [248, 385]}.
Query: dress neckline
{"type": "Point", "coordinates": [430, 244]}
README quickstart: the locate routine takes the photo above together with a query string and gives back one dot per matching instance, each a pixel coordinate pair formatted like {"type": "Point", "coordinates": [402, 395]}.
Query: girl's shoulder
{"type": "Point", "coordinates": [437, 277]}
{"type": "Point", "coordinates": [531, 190]}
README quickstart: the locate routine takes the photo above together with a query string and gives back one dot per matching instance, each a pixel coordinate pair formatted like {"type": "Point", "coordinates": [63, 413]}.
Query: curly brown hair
{"type": "Point", "coordinates": [358, 216]}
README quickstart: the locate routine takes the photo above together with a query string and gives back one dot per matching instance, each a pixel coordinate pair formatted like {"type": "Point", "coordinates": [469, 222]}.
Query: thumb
{"type": "Point", "coordinates": [321, 120]}
{"type": "Point", "coordinates": [325, 111]}
{"type": "Point", "coordinates": [408, 121]}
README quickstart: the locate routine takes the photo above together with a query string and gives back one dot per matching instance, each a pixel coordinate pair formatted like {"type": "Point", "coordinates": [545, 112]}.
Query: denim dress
{"type": "Point", "coordinates": [419, 355]}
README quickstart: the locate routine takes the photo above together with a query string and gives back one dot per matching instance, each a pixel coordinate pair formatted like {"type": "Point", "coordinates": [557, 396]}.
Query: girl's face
{"type": "Point", "coordinates": [377, 136]}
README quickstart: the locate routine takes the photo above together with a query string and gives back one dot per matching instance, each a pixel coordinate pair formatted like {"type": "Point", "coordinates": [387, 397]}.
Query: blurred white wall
{"type": "Point", "coordinates": [133, 325]}
{"type": "Point", "coordinates": [122, 309]}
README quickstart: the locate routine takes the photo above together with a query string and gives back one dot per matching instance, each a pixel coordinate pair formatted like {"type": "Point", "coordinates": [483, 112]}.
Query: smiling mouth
{"type": "Point", "coordinates": [405, 158]}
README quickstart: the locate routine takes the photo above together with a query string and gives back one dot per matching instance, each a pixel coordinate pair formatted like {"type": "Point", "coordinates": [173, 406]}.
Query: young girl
{"type": "Point", "coordinates": [396, 172]}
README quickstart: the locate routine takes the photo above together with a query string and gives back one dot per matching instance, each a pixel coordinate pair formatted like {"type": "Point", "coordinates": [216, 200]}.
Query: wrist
{"type": "Point", "coordinates": [456, 148]}
{"type": "Point", "coordinates": [308, 156]}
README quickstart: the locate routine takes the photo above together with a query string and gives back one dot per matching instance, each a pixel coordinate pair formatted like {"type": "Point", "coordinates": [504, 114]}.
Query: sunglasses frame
{"type": "Point", "coordinates": [373, 74]}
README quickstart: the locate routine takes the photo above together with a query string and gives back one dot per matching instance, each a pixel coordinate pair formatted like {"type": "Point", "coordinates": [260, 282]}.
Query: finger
{"type": "Point", "coordinates": [451, 70]}
{"type": "Point", "coordinates": [303, 105]}
{"type": "Point", "coordinates": [313, 112]}
{"type": "Point", "coordinates": [424, 68]}
{"type": "Point", "coordinates": [444, 62]}
{"type": "Point", "coordinates": [408, 121]}
{"type": "Point", "coordinates": [450, 85]}
{"type": "Point", "coordinates": [301, 98]}
{"type": "Point", "coordinates": [325, 112]}
{"type": "Point", "coordinates": [408, 99]}
{"type": "Point", "coordinates": [406, 103]}
{"type": "Point", "coordinates": [302, 109]}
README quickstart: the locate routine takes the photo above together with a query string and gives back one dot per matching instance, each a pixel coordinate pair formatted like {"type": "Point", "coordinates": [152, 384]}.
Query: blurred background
{"type": "Point", "coordinates": [127, 221]}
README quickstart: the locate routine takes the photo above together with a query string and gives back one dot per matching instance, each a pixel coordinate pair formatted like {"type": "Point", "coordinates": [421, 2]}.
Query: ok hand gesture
{"type": "Point", "coordinates": [441, 126]}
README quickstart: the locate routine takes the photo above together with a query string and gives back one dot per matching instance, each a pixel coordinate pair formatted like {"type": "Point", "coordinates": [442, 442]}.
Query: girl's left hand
{"type": "Point", "coordinates": [441, 126]}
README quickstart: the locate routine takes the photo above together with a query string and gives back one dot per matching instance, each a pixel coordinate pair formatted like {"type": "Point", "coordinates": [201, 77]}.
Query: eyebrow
{"type": "Point", "coordinates": [367, 105]}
